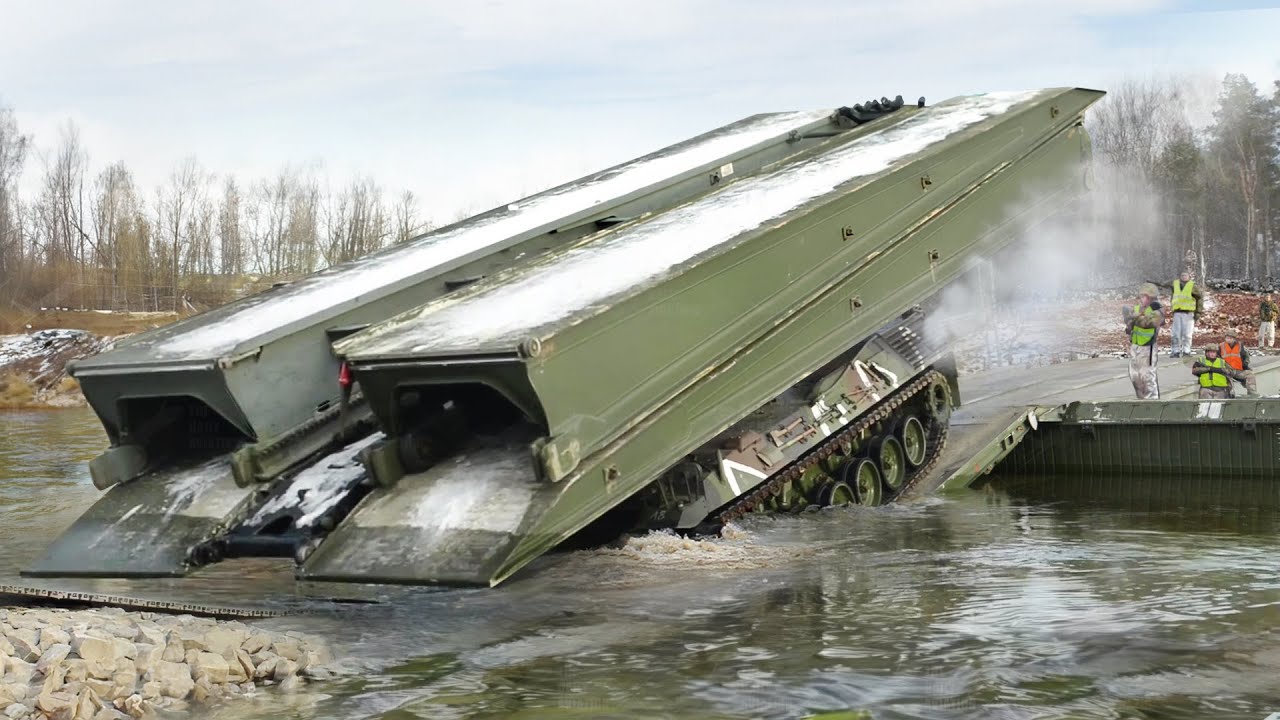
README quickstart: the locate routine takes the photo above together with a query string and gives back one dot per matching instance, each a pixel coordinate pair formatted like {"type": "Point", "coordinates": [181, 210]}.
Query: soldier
{"type": "Point", "coordinates": [1267, 312]}
{"type": "Point", "coordinates": [1141, 324]}
{"type": "Point", "coordinates": [1187, 304]}
{"type": "Point", "coordinates": [1215, 375]}
{"type": "Point", "coordinates": [1237, 358]}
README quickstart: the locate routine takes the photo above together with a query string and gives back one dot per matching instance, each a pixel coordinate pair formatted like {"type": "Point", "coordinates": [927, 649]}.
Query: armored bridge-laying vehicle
{"type": "Point", "coordinates": [736, 323]}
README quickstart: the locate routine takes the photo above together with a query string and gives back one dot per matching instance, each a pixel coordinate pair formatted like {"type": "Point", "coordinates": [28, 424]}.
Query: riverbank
{"type": "Point", "coordinates": [108, 664]}
{"type": "Point", "coordinates": [35, 348]}
{"type": "Point", "coordinates": [33, 367]}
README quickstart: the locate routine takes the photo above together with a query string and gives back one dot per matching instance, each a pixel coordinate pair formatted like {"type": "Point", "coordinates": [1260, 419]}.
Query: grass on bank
{"type": "Point", "coordinates": [15, 320]}
{"type": "Point", "coordinates": [16, 393]}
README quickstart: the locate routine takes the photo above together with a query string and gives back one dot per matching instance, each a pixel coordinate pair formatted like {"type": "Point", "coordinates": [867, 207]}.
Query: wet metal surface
{"type": "Point", "coordinates": [979, 606]}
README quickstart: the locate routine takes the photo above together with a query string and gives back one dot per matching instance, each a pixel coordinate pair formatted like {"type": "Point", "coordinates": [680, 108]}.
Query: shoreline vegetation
{"type": "Point", "coordinates": [35, 348]}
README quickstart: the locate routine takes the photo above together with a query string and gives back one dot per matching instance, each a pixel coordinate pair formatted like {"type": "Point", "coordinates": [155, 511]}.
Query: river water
{"type": "Point", "coordinates": [980, 606]}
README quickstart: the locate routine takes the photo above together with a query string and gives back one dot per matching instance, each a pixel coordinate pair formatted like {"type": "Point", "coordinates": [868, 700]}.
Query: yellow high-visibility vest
{"type": "Point", "coordinates": [1183, 300]}
{"type": "Point", "coordinates": [1141, 335]}
{"type": "Point", "coordinates": [1213, 379]}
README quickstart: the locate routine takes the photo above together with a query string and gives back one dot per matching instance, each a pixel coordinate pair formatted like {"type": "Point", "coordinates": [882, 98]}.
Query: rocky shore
{"type": "Point", "coordinates": [108, 664]}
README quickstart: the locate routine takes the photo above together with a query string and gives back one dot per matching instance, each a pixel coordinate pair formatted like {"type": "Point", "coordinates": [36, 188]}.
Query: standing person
{"type": "Point", "coordinates": [1267, 312]}
{"type": "Point", "coordinates": [1187, 303]}
{"type": "Point", "coordinates": [1215, 375]}
{"type": "Point", "coordinates": [1142, 323]}
{"type": "Point", "coordinates": [1236, 357]}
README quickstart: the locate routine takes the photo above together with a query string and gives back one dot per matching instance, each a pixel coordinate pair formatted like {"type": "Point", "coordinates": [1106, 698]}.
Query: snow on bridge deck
{"type": "Point", "coordinates": [590, 277]}
{"type": "Point", "coordinates": [219, 332]}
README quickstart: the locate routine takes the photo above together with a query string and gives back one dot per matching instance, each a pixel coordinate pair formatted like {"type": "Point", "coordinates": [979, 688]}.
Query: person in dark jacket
{"type": "Point", "coordinates": [1268, 310]}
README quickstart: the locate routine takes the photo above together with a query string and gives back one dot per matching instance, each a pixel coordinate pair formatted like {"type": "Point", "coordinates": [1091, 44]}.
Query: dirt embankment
{"type": "Point", "coordinates": [35, 348]}
{"type": "Point", "coordinates": [33, 368]}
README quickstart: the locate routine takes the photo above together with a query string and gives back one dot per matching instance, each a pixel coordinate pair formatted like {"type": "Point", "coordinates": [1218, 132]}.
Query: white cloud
{"type": "Point", "coordinates": [468, 103]}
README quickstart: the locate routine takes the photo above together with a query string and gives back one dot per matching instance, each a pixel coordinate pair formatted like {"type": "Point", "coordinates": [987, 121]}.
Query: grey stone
{"type": "Point", "coordinates": [267, 668]}
{"type": "Point", "coordinates": [222, 640]}
{"type": "Point", "coordinates": [52, 657]}
{"type": "Point", "coordinates": [6, 647]}
{"type": "Point", "coordinates": [125, 679]}
{"type": "Point", "coordinates": [18, 671]}
{"type": "Point", "coordinates": [174, 679]}
{"type": "Point", "coordinates": [255, 643]}
{"type": "Point", "coordinates": [173, 652]}
{"type": "Point", "coordinates": [150, 635]}
{"type": "Point", "coordinates": [17, 710]}
{"type": "Point", "coordinates": [146, 656]}
{"type": "Point", "coordinates": [285, 668]}
{"type": "Point", "coordinates": [291, 684]}
{"type": "Point", "coordinates": [192, 639]}
{"type": "Point", "coordinates": [50, 636]}
{"type": "Point", "coordinates": [135, 706]}
{"type": "Point", "coordinates": [23, 620]}
{"type": "Point", "coordinates": [124, 648]}
{"type": "Point", "coordinates": [25, 642]}
{"type": "Point", "coordinates": [53, 679]}
{"type": "Point", "coordinates": [53, 702]}
{"type": "Point", "coordinates": [212, 666]}
{"type": "Point", "coordinates": [102, 688]}
{"type": "Point", "coordinates": [77, 670]}
{"type": "Point", "coordinates": [95, 649]}
{"type": "Point", "coordinates": [289, 649]}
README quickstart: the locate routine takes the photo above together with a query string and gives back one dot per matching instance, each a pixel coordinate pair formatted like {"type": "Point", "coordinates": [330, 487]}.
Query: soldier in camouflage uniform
{"type": "Point", "coordinates": [1142, 323]}
{"type": "Point", "coordinates": [1215, 375]}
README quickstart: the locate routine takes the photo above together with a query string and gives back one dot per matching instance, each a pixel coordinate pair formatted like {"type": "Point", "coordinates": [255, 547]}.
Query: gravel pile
{"type": "Point", "coordinates": [108, 664]}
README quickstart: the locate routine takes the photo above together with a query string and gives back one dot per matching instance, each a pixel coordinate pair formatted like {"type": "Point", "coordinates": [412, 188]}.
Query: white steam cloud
{"type": "Point", "coordinates": [1014, 308]}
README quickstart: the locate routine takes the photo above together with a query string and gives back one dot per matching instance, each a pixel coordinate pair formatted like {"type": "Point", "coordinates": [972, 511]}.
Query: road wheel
{"type": "Point", "coordinates": [915, 441]}
{"type": "Point", "coordinates": [891, 460]}
{"type": "Point", "coordinates": [863, 477]}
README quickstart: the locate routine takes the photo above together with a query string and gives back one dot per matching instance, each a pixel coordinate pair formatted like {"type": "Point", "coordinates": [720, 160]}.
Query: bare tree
{"type": "Point", "coordinates": [59, 212]}
{"type": "Point", "coordinates": [13, 152]}
{"type": "Point", "coordinates": [184, 217]}
{"type": "Point", "coordinates": [408, 223]}
{"type": "Point", "coordinates": [231, 229]}
{"type": "Point", "coordinates": [1136, 119]}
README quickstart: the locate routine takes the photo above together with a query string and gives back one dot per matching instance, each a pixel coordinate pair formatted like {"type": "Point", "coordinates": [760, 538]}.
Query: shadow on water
{"type": "Point", "coordinates": [990, 605]}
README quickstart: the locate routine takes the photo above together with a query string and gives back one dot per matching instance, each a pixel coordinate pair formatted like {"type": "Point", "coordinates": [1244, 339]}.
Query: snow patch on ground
{"type": "Point", "coordinates": [39, 360]}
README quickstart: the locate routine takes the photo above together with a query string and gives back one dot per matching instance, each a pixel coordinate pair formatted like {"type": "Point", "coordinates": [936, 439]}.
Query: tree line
{"type": "Point", "coordinates": [100, 241]}
{"type": "Point", "coordinates": [1200, 193]}
{"type": "Point", "coordinates": [1180, 190]}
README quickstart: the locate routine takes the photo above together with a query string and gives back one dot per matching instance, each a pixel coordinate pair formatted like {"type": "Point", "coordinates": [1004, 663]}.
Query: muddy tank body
{"type": "Point", "coordinates": [758, 343]}
{"type": "Point", "coordinates": [754, 344]}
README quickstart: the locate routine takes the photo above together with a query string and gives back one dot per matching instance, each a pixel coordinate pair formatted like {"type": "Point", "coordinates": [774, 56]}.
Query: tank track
{"type": "Point", "coordinates": [749, 501]}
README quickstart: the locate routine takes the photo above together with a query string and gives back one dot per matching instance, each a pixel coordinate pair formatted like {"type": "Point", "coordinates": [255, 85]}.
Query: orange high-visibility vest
{"type": "Point", "coordinates": [1231, 354]}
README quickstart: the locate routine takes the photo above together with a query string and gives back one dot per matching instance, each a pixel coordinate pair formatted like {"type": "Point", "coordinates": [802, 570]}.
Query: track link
{"type": "Point", "coordinates": [749, 501]}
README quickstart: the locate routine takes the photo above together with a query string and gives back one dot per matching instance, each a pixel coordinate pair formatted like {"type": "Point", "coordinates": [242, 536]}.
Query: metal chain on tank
{"type": "Point", "coordinates": [881, 410]}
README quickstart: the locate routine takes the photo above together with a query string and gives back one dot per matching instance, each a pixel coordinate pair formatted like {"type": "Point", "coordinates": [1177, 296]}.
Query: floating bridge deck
{"type": "Point", "coordinates": [1087, 422]}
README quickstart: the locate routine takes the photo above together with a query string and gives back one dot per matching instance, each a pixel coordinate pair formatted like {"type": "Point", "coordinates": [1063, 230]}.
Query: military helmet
{"type": "Point", "coordinates": [1149, 289]}
{"type": "Point", "coordinates": [1210, 348]}
{"type": "Point", "coordinates": [1232, 332]}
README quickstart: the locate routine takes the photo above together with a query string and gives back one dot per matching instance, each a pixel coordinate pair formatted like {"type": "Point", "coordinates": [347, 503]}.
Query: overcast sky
{"type": "Point", "coordinates": [470, 104]}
